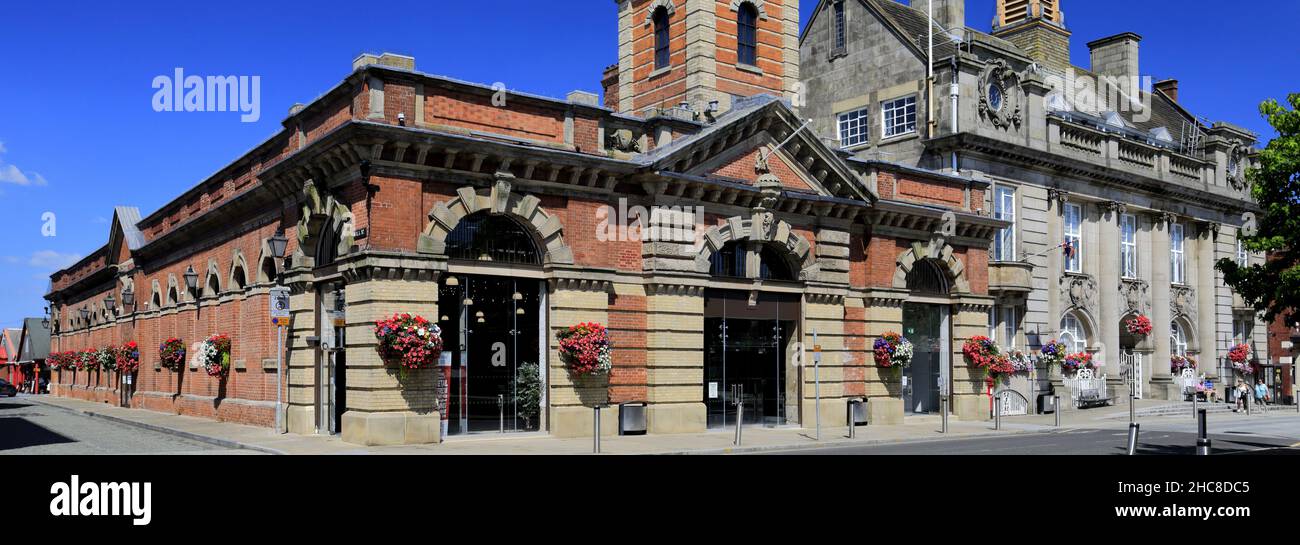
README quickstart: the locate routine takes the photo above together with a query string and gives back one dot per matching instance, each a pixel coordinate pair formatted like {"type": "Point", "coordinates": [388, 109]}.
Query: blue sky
{"type": "Point", "coordinates": [78, 134]}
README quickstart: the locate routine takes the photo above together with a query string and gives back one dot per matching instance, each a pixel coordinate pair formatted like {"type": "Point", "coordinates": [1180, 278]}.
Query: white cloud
{"type": "Point", "coordinates": [52, 260]}
{"type": "Point", "coordinates": [13, 175]}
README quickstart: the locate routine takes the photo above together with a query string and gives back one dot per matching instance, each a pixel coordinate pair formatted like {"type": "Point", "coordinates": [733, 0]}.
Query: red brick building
{"type": "Point", "coordinates": [717, 238]}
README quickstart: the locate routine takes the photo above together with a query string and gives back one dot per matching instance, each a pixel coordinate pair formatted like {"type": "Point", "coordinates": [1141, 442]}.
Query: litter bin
{"type": "Point", "coordinates": [857, 412]}
{"type": "Point", "coordinates": [631, 418]}
{"type": "Point", "coordinates": [1046, 403]}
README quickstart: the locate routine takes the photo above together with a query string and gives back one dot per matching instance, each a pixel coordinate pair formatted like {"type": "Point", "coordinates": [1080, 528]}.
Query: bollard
{"type": "Point", "coordinates": [595, 447]}
{"type": "Point", "coordinates": [501, 412]}
{"type": "Point", "coordinates": [1056, 403]}
{"type": "Point", "coordinates": [849, 418]}
{"type": "Point", "coordinates": [943, 400]}
{"type": "Point", "coordinates": [1132, 438]}
{"type": "Point", "coordinates": [1194, 413]}
{"type": "Point", "coordinates": [1246, 401]}
{"type": "Point", "coordinates": [1202, 435]}
{"type": "Point", "coordinates": [997, 414]}
{"type": "Point", "coordinates": [740, 421]}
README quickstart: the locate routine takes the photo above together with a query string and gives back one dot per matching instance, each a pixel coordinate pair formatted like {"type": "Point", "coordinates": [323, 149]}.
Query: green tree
{"type": "Point", "coordinates": [1273, 288]}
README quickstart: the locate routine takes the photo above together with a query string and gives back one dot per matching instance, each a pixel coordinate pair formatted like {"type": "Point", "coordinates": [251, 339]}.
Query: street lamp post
{"type": "Point", "coordinates": [279, 243]}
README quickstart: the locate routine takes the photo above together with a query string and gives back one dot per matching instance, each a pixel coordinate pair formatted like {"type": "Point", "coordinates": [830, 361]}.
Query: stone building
{"type": "Point", "coordinates": [722, 243]}
{"type": "Point", "coordinates": [1147, 195]}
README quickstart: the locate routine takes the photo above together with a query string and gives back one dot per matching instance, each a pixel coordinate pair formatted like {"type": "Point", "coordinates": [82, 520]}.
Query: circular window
{"type": "Point", "coordinates": [995, 97]}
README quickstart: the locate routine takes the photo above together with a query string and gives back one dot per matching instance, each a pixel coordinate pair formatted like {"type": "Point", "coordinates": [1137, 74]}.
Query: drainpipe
{"type": "Point", "coordinates": [954, 92]}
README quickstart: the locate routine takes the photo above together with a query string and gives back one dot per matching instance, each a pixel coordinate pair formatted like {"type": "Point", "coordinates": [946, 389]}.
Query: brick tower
{"type": "Point", "coordinates": [1037, 27]}
{"type": "Point", "coordinates": [700, 51]}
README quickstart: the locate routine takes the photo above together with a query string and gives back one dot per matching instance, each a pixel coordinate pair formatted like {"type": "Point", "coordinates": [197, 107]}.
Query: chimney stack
{"type": "Point", "coordinates": [394, 60]}
{"type": "Point", "coordinates": [951, 14]}
{"type": "Point", "coordinates": [1116, 56]}
{"type": "Point", "coordinates": [1169, 87]}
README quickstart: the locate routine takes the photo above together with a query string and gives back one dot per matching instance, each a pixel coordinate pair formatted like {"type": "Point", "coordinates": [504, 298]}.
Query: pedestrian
{"type": "Point", "coordinates": [1210, 394]}
{"type": "Point", "coordinates": [45, 386]}
{"type": "Point", "coordinates": [1261, 393]}
{"type": "Point", "coordinates": [1239, 394]}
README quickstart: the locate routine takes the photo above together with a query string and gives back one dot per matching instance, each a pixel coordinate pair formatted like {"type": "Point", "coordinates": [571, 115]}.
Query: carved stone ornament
{"type": "Point", "coordinates": [1237, 166]}
{"type": "Point", "coordinates": [1136, 297]}
{"type": "Point", "coordinates": [1001, 95]}
{"type": "Point", "coordinates": [767, 183]}
{"type": "Point", "coordinates": [1182, 302]}
{"type": "Point", "coordinates": [1080, 291]}
{"type": "Point", "coordinates": [623, 140]}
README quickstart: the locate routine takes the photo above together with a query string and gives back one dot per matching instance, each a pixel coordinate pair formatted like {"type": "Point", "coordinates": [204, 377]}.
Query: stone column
{"type": "Point", "coordinates": [884, 313]}
{"type": "Point", "coordinates": [675, 358]}
{"type": "Point", "coordinates": [823, 315]}
{"type": "Point", "coordinates": [575, 301]}
{"type": "Point", "coordinates": [1108, 286]}
{"type": "Point", "coordinates": [1161, 315]}
{"type": "Point", "coordinates": [1206, 316]}
{"type": "Point", "coordinates": [1055, 270]}
{"type": "Point", "coordinates": [970, 318]}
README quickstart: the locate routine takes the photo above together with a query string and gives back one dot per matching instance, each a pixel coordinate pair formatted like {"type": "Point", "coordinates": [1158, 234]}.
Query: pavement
{"type": "Point", "coordinates": [27, 427]}
{"type": "Point", "coordinates": [1091, 431]}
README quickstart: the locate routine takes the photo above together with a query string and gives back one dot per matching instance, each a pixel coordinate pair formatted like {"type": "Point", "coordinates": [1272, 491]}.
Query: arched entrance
{"type": "Point", "coordinates": [925, 324]}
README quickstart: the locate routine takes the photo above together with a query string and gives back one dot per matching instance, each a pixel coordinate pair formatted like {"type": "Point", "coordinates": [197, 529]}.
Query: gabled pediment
{"type": "Point", "coordinates": [728, 150]}
{"type": "Point", "coordinates": [123, 235]}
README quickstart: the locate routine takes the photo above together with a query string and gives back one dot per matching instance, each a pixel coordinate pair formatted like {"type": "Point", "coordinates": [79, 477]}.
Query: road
{"type": "Point", "coordinates": [1233, 435]}
{"type": "Point", "coordinates": [27, 427]}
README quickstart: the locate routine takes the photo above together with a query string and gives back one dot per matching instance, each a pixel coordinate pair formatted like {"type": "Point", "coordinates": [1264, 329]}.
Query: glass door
{"type": "Point", "coordinates": [745, 355]}
{"type": "Point", "coordinates": [923, 326]}
{"type": "Point", "coordinates": [490, 327]}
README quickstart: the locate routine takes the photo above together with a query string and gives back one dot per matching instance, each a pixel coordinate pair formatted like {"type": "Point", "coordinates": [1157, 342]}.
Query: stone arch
{"type": "Point", "coordinates": [173, 291]}
{"type": "Point", "coordinates": [155, 296]}
{"type": "Point", "coordinates": [238, 277]}
{"type": "Point", "coordinates": [1189, 331]}
{"type": "Point", "coordinates": [1090, 327]}
{"type": "Point", "coordinates": [211, 281]}
{"type": "Point", "coordinates": [546, 229]}
{"type": "Point", "coordinates": [323, 219]}
{"type": "Point", "coordinates": [795, 248]}
{"type": "Point", "coordinates": [758, 6]}
{"type": "Point", "coordinates": [267, 270]}
{"type": "Point", "coordinates": [654, 6]}
{"type": "Point", "coordinates": [941, 255]}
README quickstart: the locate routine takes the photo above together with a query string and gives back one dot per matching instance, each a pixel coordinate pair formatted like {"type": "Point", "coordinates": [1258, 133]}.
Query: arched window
{"type": "Point", "coordinates": [747, 34]}
{"type": "Point", "coordinates": [1177, 339]}
{"type": "Point", "coordinates": [487, 237]}
{"type": "Point", "coordinates": [731, 262]}
{"type": "Point", "coordinates": [157, 300]}
{"type": "Point", "coordinates": [214, 284]}
{"type": "Point", "coordinates": [662, 52]}
{"type": "Point", "coordinates": [268, 270]}
{"type": "Point", "coordinates": [1072, 334]}
{"type": "Point", "coordinates": [927, 277]}
{"type": "Point", "coordinates": [172, 296]}
{"type": "Point", "coordinates": [238, 280]}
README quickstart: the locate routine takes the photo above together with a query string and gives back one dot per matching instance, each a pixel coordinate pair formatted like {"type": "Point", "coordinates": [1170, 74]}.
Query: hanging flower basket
{"type": "Point", "coordinates": [57, 360]}
{"type": "Point", "coordinates": [106, 358]}
{"type": "Point", "coordinates": [409, 342]}
{"type": "Point", "coordinates": [1178, 363]}
{"type": "Point", "coordinates": [1020, 362]}
{"type": "Point", "coordinates": [1139, 325]}
{"type": "Point", "coordinates": [586, 349]}
{"type": "Point", "coordinates": [1053, 353]}
{"type": "Point", "coordinates": [980, 352]}
{"type": "Point", "coordinates": [1239, 355]}
{"type": "Point", "coordinates": [214, 355]}
{"type": "Point", "coordinates": [893, 351]}
{"type": "Point", "coordinates": [128, 358]}
{"type": "Point", "coordinates": [171, 354]}
{"type": "Point", "coordinates": [1075, 362]}
{"type": "Point", "coordinates": [88, 359]}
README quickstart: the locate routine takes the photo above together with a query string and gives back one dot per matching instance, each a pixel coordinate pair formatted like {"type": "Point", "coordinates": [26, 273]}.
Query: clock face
{"type": "Point", "coordinates": [995, 97]}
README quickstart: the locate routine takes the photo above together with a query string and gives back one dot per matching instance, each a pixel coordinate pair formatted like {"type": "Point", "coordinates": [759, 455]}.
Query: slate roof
{"type": "Point", "coordinates": [129, 216]}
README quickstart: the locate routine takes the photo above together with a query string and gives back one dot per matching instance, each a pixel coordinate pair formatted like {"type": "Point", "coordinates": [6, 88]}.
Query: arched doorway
{"type": "Point", "coordinates": [925, 324]}
{"type": "Point", "coordinates": [491, 306]}
{"type": "Point", "coordinates": [749, 337]}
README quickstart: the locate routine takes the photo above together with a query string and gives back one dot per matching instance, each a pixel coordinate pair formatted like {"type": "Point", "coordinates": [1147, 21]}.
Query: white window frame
{"type": "Point", "coordinates": [1177, 254]}
{"type": "Point", "coordinates": [1241, 327]}
{"type": "Point", "coordinates": [854, 127]}
{"type": "Point", "coordinates": [1004, 208]}
{"type": "Point", "coordinates": [1073, 334]}
{"type": "Point", "coordinates": [839, 26]}
{"type": "Point", "coordinates": [993, 324]}
{"type": "Point", "coordinates": [1075, 264]}
{"type": "Point", "coordinates": [1177, 339]}
{"type": "Point", "coordinates": [1128, 246]}
{"type": "Point", "coordinates": [1010, 326]}
{"type": "Point", "coordinates": [1243, 257]}
{"type": "Point", "coordinates": [889, 112]}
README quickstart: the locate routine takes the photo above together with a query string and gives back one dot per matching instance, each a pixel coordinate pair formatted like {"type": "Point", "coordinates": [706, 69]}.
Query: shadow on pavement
{"type": "Point", "coordinates": [18, 432]}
